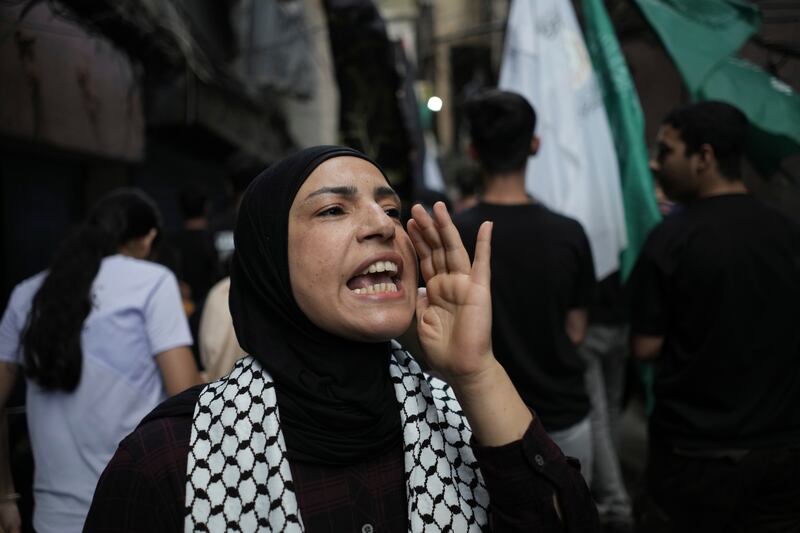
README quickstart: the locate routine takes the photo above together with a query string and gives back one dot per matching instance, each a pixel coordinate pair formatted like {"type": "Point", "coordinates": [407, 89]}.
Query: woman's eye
{"type": "Point", "coordinates": [331, 211]}
{"type": "Point", "coordinates": [392, 212]}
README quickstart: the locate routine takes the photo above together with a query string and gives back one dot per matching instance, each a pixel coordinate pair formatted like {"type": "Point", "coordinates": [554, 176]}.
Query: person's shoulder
{"type": "Point", "coordinates": [20, 302]}
{"type": "Point", "coordinates": [467, 217]}
{"type": "Point", "coordinates": [26, 289]}
{"type": "Point", "coordinates": [132, 263]}
{"type": "Point", "coordinates": [725, 213]}
{"type": "Point", "coordinates": [180, 405]}
{"type": "Point", "coordinates": [561, 223]}
{"type": "Point", "coordinates": [476, 215]}
{"type": "Point", "coordinates": [671, 225]}
{"type": "Point", "coordinates": [121, 266]}
{"type": "Point", "coordinates": [165, 440]}
{"type": "Point", "coordinates": [221, 289]}
{"type": "Point", "coordinates": [778, 216]}
{"type": "Point", "coordinates": [660, 235]}
{"type": "Point", "coordinates": [164, 432]}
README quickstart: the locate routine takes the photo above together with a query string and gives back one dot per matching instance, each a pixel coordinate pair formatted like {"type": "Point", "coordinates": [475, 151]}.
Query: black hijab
{"type": "Point", "coordinates": [336, 400]}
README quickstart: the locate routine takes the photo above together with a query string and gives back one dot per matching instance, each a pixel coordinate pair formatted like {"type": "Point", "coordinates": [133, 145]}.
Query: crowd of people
{"type": "Point", "coordinates": [300, 411]}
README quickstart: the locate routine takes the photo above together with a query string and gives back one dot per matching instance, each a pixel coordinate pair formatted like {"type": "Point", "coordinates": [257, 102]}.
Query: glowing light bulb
{"type": "Point", "coordinates": [435, 103]}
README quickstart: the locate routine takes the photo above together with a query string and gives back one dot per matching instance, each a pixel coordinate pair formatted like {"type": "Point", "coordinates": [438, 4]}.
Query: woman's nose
{"type": "Point", "coordinates": [377, 224]}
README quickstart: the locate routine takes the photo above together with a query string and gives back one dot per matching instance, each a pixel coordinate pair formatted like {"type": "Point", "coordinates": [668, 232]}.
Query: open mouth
{"type": "Point", "coordinates": [377, 278]}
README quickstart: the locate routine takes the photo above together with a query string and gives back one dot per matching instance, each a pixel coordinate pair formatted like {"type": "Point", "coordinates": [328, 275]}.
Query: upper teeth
{"type": "Point", "coordinates": [380, 266]}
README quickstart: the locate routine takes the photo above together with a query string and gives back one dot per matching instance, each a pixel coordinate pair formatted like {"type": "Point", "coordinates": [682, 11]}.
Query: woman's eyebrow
{"type": "Point", "coordinates": [341, 190]}
{"type": "Point", "coordinates": [385, 192]}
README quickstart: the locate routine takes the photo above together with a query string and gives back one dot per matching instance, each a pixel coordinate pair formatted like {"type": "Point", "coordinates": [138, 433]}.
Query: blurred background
{"type": "Point", "coordinates": [188, 95]}
{"type": "Point", "coordinates": [160, 94]}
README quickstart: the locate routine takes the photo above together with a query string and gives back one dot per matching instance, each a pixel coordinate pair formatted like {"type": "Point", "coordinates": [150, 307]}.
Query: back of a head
{"type": "Point", "coordinates": [718, 124]}
{"type": "Point", "coordinates": [52, 340]}
{"type": "Point", "coordinates": [124, 214]}
{"type": "Point", "coordinates": [501, 125]}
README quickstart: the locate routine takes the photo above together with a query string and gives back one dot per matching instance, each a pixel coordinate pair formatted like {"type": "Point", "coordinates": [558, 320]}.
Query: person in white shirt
{"type": "Point", "coordinates": [102, 339]}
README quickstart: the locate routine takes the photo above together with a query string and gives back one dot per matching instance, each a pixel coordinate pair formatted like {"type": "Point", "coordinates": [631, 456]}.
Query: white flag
{"type": "Point", "coordinates": [431, 173]}
{"type": "Point", "coordinates": [575, 172]}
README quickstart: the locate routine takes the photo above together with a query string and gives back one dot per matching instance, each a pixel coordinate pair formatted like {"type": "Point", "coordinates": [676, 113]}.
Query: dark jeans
{"type": "Point", "coordinates": [759, 492]}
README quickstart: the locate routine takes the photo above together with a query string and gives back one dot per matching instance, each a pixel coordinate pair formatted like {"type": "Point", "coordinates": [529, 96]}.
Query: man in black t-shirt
{"type": "Point", "coordinates": [542, 274]}
{"type": "Point", "coordinates": [716, 300]}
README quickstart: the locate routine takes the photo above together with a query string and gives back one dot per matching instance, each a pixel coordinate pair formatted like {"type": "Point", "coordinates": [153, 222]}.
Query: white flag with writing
{"type": "Point", "coordinates": [575, 172]}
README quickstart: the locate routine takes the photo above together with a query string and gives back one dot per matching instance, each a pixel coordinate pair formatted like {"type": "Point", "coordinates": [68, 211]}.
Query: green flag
{"type": "Point", "coordinates": [699, 34]}
{"type": "Point", "coordinates": [771, 106]}
{"type": "Point", "coordinates": [701, 37]}
{"type": "Point", "coordinates": [627, 127]}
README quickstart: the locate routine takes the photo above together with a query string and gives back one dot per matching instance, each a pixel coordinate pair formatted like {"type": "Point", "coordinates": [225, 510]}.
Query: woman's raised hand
{"type": "Point", "coordinates": [454, 324]}
{"type": "Point", "coordinates": [454, 314]}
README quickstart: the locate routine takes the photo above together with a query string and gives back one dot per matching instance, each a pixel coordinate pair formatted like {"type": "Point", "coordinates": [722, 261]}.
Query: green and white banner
{"type": "Point", "coordinates": [576, 171]}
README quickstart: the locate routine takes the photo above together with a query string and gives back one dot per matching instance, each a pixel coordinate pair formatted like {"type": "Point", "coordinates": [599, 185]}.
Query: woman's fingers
{"type": "Point", "coordinates": [423, 250]}
{"type": "Point", "coordinates": [422, 301]}
{"type": "Point", "coordinates": [442, 239]}
{"type": "Point", "coordinates": [481, 266]}
{"type": "Point", "coordinates": [430, 233]}
{"type": "Point", "coordinates": [455, 253]}
{"type": "Point", "coordinates": [440, 249]}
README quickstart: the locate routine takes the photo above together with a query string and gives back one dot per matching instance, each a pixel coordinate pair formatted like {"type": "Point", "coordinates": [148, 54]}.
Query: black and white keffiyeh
{"type": "Point", "coordinates": [238, 475]}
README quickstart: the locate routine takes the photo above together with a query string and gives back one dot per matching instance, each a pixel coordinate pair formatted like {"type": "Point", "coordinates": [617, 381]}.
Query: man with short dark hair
{"type": "Point", "coordinates": [542, 273]}
{"type": "Point", "coordinates": [716, 301]}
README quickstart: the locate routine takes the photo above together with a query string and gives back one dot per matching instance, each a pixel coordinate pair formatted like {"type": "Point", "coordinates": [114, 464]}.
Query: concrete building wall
{"type": "Point", "coordinates": [65, 87]}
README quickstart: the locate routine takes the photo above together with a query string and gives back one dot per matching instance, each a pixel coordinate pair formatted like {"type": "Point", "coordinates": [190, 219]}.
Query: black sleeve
{"type": "Point", "coordinates": [646, 290]}
{"type": "Point", "coordinates": [583, 289]}
{"type": "Point", "coordinates": [524, 476]}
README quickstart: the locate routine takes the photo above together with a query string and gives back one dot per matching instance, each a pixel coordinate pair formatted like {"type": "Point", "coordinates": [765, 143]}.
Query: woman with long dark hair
{"type": "Point", "coordinates": [102, 339]}
{"type": "Point", "coordinates": [328, 424]}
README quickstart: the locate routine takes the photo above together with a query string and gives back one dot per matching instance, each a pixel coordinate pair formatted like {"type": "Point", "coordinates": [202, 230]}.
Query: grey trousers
{"type": "Point", "coordinates": [605, 351]}
{"type": "Point", "coordinates": [576, 441]}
